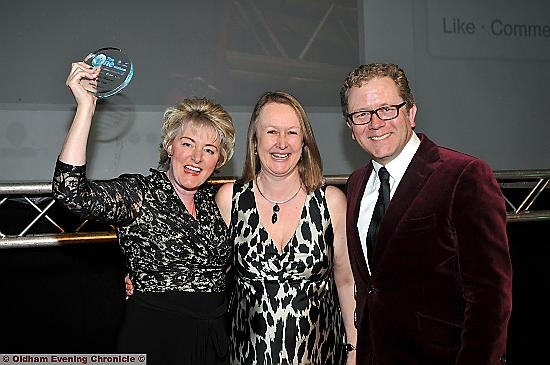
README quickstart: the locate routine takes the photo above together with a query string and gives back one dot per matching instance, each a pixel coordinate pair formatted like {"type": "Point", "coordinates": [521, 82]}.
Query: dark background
{"type": "Point", "coordinates": [70, 299]}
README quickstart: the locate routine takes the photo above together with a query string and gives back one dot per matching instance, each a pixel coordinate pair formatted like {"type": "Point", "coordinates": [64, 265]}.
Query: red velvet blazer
{"type": "Point", "coordinates": [441, 284]}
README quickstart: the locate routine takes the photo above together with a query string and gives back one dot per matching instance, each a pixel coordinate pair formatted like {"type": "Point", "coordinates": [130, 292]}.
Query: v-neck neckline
{"type": "Point", "coordinates": [264, 228]}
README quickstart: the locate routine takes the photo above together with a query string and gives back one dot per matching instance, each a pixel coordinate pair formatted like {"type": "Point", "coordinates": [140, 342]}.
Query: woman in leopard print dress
{"type": "Point", "coordinates": [293, 300]}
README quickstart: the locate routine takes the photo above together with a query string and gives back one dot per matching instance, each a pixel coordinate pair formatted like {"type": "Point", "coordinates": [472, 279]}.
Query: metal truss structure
{"type": "Point", "coordinates": [29, 216]}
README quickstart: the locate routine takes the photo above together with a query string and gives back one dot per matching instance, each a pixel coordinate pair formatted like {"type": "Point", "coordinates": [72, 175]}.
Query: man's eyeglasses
{"type": "Point", "coordinates": [386, 112]}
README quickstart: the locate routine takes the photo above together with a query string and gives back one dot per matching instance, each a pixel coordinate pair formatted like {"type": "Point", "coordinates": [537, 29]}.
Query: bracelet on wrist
{"type": "Point", "coordinates": [349, 347]}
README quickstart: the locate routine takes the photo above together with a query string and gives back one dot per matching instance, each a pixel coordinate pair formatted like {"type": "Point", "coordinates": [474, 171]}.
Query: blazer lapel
{"type": "Point", "coordinates": [421, 167]}
{"type": "Point", "coordinates": [355, 204]}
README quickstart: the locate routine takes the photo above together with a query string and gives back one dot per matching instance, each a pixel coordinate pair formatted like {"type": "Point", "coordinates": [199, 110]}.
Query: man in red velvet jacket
{"type": "Point", "coordinates": [438, 287]}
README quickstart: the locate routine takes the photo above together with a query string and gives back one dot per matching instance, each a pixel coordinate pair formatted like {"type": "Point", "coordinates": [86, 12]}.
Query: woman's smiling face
{"type": "Point", "coordinates": [195, 154]}
{"type": "Point", "coordinates": [279, 139]}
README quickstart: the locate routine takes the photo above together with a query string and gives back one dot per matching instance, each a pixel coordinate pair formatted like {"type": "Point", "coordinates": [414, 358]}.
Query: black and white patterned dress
{"type": "Point", "coordinates": [284, 307]}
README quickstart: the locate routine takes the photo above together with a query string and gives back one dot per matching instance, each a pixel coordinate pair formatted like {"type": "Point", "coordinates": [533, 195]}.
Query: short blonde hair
{"type": "Point", "coordinates": [202, 113]}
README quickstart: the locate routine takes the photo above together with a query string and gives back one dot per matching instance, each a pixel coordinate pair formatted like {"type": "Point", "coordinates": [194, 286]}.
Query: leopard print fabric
{"type": "Point", "coordinates": [165, 247]}
{"type": "Point", "coordinates": [284, 307]}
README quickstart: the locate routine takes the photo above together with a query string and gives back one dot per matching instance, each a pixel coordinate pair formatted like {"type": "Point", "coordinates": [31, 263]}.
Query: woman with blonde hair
{"type": "Point", "coordinates": [168, 226]}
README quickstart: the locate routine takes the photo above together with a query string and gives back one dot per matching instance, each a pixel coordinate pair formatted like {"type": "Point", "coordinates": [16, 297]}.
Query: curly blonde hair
{"type": "Point", "coordinates": [201, 112]}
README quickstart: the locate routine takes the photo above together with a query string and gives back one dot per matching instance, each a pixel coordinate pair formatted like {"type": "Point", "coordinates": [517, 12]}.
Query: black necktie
{"type": "Point", "coordinates": [379, 209]}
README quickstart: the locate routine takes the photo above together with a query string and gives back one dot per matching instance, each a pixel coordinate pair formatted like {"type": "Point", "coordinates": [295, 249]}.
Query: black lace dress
{"type": "Point", "coordinates": [178, 313]}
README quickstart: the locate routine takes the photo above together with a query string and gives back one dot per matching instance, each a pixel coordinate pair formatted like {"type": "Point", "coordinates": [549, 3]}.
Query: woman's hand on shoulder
{"type": "Point", "coordinates": [224, 198]}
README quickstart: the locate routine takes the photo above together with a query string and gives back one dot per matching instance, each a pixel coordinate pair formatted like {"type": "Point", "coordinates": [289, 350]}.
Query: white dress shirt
{"type": "Point", "coordinates": [396, 169]}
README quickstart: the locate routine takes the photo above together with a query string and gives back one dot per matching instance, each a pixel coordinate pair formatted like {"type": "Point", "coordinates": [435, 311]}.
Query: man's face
{"type": "Point", "coordinates": [382, 139]}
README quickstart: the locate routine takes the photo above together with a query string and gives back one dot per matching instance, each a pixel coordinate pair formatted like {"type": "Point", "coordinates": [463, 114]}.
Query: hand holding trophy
{"type": "Point", "coordinates": [116, 72]}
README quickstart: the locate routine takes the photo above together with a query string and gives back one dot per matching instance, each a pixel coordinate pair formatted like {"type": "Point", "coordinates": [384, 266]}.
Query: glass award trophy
{"type": "Point", "coordinates": [116, 71]}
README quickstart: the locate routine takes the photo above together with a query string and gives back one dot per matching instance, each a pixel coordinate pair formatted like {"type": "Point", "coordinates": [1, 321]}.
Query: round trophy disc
{"type": "Point", "coordinates": [116, 70]}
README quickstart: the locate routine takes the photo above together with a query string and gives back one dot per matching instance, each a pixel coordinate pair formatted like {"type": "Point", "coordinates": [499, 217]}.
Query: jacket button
{"type": "Point", "coordinates": [371, 290]}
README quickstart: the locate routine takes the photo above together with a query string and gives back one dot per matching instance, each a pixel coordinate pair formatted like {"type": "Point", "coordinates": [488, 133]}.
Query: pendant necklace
{"type": "Point", "coordinates": [276, 207]}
